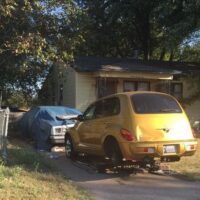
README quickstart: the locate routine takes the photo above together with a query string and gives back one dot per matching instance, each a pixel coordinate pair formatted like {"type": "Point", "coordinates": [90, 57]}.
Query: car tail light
{"type": "Point", "coordinates": [194, 133]}
{"type": "Point", "coordinates": [127, 135]}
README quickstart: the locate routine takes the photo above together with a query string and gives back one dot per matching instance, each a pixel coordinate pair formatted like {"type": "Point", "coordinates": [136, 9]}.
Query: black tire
{"type": "Point", "coordinates": [113, 152]}
{"type": "Point", "coordinates": [69, 148]}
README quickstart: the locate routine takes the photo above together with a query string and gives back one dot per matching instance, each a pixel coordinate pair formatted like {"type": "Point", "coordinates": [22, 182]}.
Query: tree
{"type": "Point", "coordinates": [23, 47]}
{"type": "Point", "coordinates": [190, 53]}
{"type": "Point", "coordinates": [154, 28]}
{"type": "Point", "coordinates": [178, 20]}
{"type": "Point", "coordinates": [33, 36]}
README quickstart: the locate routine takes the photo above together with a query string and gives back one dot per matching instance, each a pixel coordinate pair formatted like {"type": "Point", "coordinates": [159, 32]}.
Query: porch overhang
{"type": "Point", "coordinates": [135, 75]}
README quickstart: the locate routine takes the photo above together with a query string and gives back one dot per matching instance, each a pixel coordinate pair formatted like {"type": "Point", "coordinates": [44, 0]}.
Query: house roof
{"type": "Point", "coordinates": [96, 64]}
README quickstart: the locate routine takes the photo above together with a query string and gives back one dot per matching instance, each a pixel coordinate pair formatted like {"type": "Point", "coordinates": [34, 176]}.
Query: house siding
{"type": "Point", "coordinates": [69, 87]}
{"type": "Point", "coordinates": [85, 90]}
{"type": "Point", "coordinates": [120, 85]}
{"type": "Point", "coordinates": [193, 109]}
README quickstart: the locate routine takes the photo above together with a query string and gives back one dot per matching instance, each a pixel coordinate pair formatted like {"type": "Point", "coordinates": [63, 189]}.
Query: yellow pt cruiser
{"type": "Point", "coordinates": [136, 126]}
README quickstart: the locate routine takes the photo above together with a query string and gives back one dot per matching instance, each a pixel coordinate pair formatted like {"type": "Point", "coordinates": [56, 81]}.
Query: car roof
{"type": "Point", "coordinates": [130, 94]}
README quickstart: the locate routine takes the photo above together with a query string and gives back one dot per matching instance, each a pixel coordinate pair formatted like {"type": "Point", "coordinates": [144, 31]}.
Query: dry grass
{"type": "Point", "coordinates": [27, 176]}
{"type": "Point", "coordinates": [189, 166]}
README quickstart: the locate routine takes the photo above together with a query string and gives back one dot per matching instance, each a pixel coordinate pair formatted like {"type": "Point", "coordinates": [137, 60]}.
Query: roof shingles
{"type": "Point", "coordinates": [95, 64]}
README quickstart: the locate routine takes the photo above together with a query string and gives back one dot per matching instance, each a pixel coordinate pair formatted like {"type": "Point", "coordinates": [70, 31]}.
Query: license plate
{"type": "Point", "coordinates": [169, 149]}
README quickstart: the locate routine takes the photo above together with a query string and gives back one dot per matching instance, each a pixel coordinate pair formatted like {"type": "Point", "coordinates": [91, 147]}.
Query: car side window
{"type": "Point", "coordinates": [99, 110]}
{"type": "Point", "coordinates": [111, 107]}
{"type": "Point", "coordinates": [103, 108]}
{"type": "Point", "coordinates": [89, 113]}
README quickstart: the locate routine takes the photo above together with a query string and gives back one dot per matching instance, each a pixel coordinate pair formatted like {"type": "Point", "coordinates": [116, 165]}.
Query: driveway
{"type": "Point", "coordinates": [140, 186]}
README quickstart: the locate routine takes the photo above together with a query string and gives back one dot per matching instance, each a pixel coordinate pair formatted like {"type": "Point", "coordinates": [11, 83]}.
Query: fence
{"type": "Point", "coordinates": [4, 119]}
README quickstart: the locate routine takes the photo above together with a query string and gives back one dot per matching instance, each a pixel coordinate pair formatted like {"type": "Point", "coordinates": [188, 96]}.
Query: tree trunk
{"type": "Point", "coordinates": [146, 53]}
{"type": "Point", "coordinates": [146, 38]}
{"type": "Point", "coordinates": [171, 55]}
{"type": "Point", "coordinates": [162, 54]}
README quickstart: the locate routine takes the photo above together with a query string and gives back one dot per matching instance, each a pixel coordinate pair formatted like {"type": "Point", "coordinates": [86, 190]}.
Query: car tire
{"type": "Point", "coordinates": [69, 148]}
{"type": "Point", "coordinates": [114, 152]}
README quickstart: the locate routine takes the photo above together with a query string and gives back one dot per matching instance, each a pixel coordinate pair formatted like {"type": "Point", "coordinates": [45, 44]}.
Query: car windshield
{"type": "Point", "coordinates": [154, 103]}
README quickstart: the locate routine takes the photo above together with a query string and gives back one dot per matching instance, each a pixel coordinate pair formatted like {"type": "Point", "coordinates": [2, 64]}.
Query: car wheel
{"type": "Point", "coordinates": [69, 149]}
{"type": "Point", "coordinates": [114, 152]}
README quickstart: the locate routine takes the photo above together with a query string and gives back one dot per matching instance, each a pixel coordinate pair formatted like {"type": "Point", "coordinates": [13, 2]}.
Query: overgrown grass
{"type": "Point", "coordinates": [27, 176]}
{"type": "Point", "coordinates": [189, 166]}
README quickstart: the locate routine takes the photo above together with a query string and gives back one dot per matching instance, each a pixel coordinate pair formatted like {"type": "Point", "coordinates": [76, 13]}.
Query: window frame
{"type": "Point", "coordinates": [166, 110]}
{"type": "Point", "coordinates": [103, 85]}
{"type": "Point", "coordinates": [136, 83]}
{"type": "Point", "coordinates": [118, 104]}
{"type": "Point", "coordinates": [176, 94]}
{"type": "Point", "coordinates": [87, 110]}
{"type": "Point", "coordinates": [101, 103]}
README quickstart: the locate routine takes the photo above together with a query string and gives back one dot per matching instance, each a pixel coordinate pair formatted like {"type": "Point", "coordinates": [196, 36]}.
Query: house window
{"type": "Point", "coordinates": [130, 86]}
{"type": "Point", "coordinates": [143, 86]}
{"type": "Point", "coordinates": [177, 90]}
{"type": "Point", "coordinates": [163, 87]}
{"type": "Point", "coordinates": [136, 86]}
{"type": "Point", "coordinates": [106, 87]}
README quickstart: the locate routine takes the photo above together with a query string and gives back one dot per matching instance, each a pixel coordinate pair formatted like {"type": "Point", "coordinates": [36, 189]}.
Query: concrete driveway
{"type": "Point", "coordinates": [140, 186]}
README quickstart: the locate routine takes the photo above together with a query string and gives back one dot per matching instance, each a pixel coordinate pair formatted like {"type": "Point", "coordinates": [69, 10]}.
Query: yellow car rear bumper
{"type": "Point", "coordinates": [140, 150]}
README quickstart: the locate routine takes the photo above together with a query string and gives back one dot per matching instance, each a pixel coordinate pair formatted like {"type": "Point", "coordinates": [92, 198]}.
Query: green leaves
{"type": "Point", "coordinates": [154, 28]}
{"type": "Point", "coordinates": [34, 35]}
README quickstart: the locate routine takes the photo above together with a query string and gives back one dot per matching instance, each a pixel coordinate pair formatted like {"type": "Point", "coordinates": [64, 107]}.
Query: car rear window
{"type": "Point", "coordinates": [154, 103]}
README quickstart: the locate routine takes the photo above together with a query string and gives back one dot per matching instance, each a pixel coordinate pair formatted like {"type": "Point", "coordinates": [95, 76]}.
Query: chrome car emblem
{"type": "Point", "coordinates": [166, 130]}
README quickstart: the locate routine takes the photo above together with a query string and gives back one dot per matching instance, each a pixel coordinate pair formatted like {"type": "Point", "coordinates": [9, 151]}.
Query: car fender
{"type": "Point", "coordinates": [112, 130]}
{"type": "Point", "coordinates": [74, 136]}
